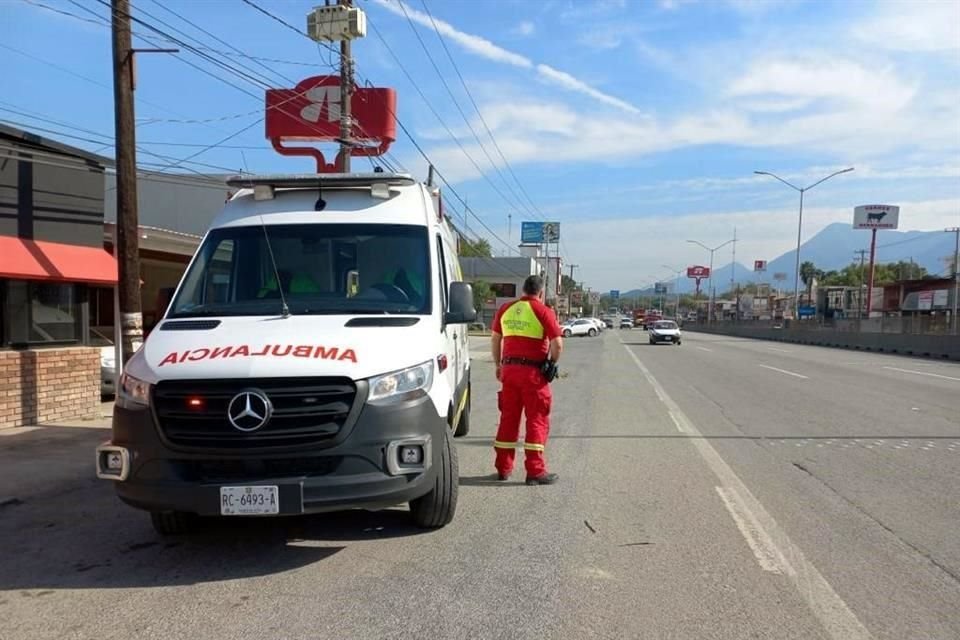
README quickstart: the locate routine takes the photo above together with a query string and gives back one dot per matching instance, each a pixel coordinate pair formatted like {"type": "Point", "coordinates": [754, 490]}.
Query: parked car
{"type": "Point", "coordinates": [580, 327]}
{"type": "Point", "coordinates": [608, 323]}
{"type": "Point", "coordinates": [626, 323]}
{"type": "Point", "coordinates": [599, 324]}
{"type": "Point", "coordinates": [108, 366]}
{"type": "Point", "coordinates": [664, 331]}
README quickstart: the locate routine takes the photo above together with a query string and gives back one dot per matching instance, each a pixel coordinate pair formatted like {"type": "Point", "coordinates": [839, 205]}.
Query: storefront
{"type": "Point", "coordinates": [51, 259]}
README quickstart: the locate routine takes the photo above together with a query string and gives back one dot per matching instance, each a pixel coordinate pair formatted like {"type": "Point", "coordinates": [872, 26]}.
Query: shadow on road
{"type": "Point", "coordinates": [488, 480]}
{"type": "Point", "coordinates": [866, 438]}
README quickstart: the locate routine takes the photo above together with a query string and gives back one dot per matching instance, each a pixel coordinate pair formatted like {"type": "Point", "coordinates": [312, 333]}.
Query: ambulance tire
{"type": "Point", "coordinates": [437, 508]}
{"type": "Point", "coordinates": [172, 523]}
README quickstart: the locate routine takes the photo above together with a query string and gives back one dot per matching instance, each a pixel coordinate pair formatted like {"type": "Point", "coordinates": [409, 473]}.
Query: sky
{"type": "Point", "coordinates": [636, 124]}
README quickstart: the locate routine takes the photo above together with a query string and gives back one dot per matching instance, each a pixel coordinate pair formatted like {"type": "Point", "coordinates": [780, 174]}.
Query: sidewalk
{"type": "Point", "coordinates": [44, 460]}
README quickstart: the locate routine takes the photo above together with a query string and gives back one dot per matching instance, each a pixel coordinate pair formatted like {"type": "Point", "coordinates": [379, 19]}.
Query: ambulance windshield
{"type": "Point", "coordinates": [322, 268]}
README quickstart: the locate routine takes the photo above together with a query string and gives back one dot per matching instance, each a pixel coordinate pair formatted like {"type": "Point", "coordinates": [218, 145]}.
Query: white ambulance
{"type": "Point", "coordinates": [314, 358]}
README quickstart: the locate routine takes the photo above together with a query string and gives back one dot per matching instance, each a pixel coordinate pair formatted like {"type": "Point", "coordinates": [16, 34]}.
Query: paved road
{"type": "Point", "coordinates": [727, 488]}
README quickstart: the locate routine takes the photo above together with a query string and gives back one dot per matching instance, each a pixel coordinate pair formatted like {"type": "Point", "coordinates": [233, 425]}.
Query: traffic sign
{"type": "Point", "coordinates": [615, 294]}
{"type": "Point", "coordinates": [807, 311]}
{"type": "Point", "coordinates": [759, 265]}
{"type": "Point", "coordinates": [594, 297]}
{"type": "Point", "coordinates": [660, 287]}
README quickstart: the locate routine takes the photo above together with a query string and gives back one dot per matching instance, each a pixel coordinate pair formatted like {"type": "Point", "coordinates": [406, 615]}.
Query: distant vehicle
{"type": "Point", "coordinates": [608, 323]}
{"type": "Point", "coordinates": [599, 324]}
{"type": "Point", "coordinates": [626, 323]}
{"type": "Point", "coordinates": [692, 316]}
{"type": "Point", "coordinates": [580, 327]}
{"type": "Point", "coordinates": [664, 331]}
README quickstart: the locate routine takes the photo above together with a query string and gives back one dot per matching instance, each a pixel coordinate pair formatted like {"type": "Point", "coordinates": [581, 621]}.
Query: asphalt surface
{"type": "Point", "coordinates": [727, 488]}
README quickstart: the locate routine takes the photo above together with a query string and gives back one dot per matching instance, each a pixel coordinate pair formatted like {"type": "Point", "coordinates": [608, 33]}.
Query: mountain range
{"type": "Point", "coordinates": [832, 248]}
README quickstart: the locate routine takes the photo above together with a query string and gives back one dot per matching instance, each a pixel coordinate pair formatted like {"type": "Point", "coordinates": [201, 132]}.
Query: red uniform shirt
{"type": "Point", "coordinates": [531, 348]}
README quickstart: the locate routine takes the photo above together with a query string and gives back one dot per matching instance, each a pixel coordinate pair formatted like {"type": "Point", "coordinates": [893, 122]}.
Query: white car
{"type": "Point", "coordinates": [665, 331]}
{"type": "Point", "coordinates": [626, 323]}
{"type": "Point", "coordinates": [580, 327]}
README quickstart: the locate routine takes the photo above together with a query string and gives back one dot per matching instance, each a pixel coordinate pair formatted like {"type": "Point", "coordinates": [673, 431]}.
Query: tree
{"type": "Point", "coordinates": [479, 248]}
{"type": "Point", "coordinates": [481, 291]}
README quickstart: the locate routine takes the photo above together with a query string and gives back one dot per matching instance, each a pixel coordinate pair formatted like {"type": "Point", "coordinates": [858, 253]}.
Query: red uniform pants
{"type": "Point", "coordinates": [524, 390]}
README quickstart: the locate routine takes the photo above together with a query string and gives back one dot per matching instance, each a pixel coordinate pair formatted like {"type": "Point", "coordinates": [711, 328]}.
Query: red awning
{"type": "Point", "coordinates": [36, 260]}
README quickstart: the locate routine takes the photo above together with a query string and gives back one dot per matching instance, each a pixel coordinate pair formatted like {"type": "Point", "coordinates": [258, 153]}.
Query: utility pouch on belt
{"type": "Point", "coordinates": [549, 369]}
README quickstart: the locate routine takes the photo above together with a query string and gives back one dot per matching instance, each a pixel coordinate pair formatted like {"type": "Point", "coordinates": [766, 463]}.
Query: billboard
{"type": "Point", "coordinates": [876, 216]}
{"type": "Point", "coordinates": [780, 276]}
{"type": "Point", "coordinates": [698, 272]}
{"type": "Point", "coordinates": [759, 265]}
{"type": "Point", "coordinates": [660, 287]}
{"type": "Point", "coordinates": [539, 232]}
{"type": "Point", "coordinates": [615, 294]}
{"type": "Point", "coordinates": [576, 298]}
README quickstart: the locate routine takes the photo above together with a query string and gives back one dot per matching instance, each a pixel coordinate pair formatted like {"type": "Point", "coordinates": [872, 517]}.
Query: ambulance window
{"type": "Point", "coordinates": [444, 283]}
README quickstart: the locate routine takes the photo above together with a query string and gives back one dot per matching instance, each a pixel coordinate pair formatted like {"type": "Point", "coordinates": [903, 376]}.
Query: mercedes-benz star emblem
{"type": "Point", "coordinates": [249, 410]}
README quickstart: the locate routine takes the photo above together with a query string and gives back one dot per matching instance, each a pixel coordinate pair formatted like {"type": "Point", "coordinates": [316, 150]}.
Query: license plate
{"type": "Point", "coordinates": [249, 501]}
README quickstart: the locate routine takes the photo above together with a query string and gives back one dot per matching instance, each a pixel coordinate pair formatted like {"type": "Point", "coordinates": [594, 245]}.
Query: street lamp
{"type": "Point", "coordinates": [676, 311]}
{"type": "Point", "coordinates": [796, 275]}
{"type": "Point", "coordinates": [710, 280]}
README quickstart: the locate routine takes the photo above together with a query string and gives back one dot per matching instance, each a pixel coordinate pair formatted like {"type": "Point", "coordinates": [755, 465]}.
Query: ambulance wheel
{"type": "Point", "coordinates": [172, 523]}
{"type": "Point", "coordinates": [437, 508]}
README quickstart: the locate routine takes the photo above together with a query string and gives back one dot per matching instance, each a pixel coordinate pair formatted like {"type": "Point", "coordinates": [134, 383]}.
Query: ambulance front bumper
{"type": "Point", "coordinates": [388, 458]}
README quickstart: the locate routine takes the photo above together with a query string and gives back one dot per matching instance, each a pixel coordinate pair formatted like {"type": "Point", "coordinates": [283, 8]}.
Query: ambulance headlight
{"type": "Point", "coordinates": [133, 393]}
{"type": "Point", "coordinates": [401, 384]}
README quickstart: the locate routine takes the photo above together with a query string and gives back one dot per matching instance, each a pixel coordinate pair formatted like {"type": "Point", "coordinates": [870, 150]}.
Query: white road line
{"type": "Point", "coordinates": [780, 350]}
{"type": "Point", "coordinates": [837, 618]}
{"type": "Point", "coordinates": [760, 543]}
{"type": "Point", "coordinates": [705, 349]}
{"type": "Point", "coordinates": [789, 373]}
{"type": "Point", "coordinates": [922, 373]}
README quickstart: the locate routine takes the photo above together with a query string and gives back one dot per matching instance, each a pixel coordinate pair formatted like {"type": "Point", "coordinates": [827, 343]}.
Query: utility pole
{"type": "Point", "coordinates": [346, 92]}
{"type": "Point", "coordinates": [572, 267]}
{"type": "Point", "coordinates": [126, 242]}
{"type": "Point", "coordinates": [863, 257]}
{"type": "Point", "coordinates": [733, 271]}
{"type": "Point", "coordinates": [956, 279]}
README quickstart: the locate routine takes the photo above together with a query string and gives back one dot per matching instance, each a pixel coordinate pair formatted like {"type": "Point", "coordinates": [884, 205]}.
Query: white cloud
{"type": "Point", "coordinates": [913, 26]}
{"type": "Point", "coordinates": [824, 78]}
{"type": "Point", "coordinates": [567, 81]}
{"type": "Point", "coordinates": [525, 28]}
{"type": "Point", "coordinates": [486, 49]}
{"type": "Point", "coordinates": [474, 44]}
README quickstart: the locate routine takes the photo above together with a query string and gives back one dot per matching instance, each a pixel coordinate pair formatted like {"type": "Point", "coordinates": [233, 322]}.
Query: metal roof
{"type": "Point", "coordinates": [23, 136]}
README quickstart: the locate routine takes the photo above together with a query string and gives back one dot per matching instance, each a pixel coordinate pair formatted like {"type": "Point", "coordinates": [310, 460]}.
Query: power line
{"type": "Point", "coordinates": [456, 103]}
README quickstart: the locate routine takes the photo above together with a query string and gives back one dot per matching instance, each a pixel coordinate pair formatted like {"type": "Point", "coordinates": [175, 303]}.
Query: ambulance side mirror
{"type": "Point", "coordinates": [460, 310]}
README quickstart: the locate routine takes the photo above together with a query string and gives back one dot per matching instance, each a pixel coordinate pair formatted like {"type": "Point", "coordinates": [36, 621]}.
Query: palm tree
{"type": "Point", "coordinates": [808, 273]}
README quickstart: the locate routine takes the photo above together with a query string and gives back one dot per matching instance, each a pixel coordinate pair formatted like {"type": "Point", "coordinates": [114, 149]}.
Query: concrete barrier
{"type": "Point", "coordinates": [929, 346]}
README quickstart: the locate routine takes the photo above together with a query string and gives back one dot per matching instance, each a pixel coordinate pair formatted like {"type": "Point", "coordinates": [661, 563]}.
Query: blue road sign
{"type": "Point", "coordinates": [531, 232]}
{"type": "Point", "coordinates": [615, 294]}
{"type": "Point", "coordinates": [660, 287]}
{"type": "Point", "coordinates": [807, 312]}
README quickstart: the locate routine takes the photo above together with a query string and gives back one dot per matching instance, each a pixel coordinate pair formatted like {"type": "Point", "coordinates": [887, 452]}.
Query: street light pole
{"type": "Point", "coordinates": [796, 274]}
{"type": "Point", "coordinates": [956, 279]}
{"type": "Point", "coordinates": [676, 309]}
{"type": "Point", "coordinates": [710, 280]}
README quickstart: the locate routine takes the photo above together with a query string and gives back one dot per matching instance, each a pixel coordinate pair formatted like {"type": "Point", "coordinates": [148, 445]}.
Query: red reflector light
{"type": "Point", "coordinates": [442, 363]}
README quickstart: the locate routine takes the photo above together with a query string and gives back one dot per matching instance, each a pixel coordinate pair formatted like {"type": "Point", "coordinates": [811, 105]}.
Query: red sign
{"type": "Point", "coordinates": [311, 112]}
{"type": "Point", "coordinates": [759, 265]}
{"type": "Point", "coordinates": [698, 272]}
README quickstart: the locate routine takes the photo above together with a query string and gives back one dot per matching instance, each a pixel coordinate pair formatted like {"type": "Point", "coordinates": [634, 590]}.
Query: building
{"type": "Point", "coordinates": [504, 276]}
{"type": "Point", "coordinates": [51, 261]}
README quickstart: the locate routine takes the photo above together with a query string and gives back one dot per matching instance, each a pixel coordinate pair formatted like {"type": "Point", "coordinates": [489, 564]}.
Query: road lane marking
{"type": "Point", "coordinates": [789, 373]}
{"type": "Point", "coordinates": [922, 373]}
{"type": "Point", "coordinates": [760, 543]}
{"type": "Point", "coordinates": [705, 349]}
{"type": "Point", "coordinates": [836, 617]}
{"type": "Point", "coordinates": [780, 350]}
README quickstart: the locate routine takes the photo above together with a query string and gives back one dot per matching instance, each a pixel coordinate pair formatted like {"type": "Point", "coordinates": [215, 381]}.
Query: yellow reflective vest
{"type": "Point", "coordinates": [520, 321]}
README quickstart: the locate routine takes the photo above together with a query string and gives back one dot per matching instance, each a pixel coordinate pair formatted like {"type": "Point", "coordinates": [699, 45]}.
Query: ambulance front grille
{"type": "Point", "coordinates": [306, 411]}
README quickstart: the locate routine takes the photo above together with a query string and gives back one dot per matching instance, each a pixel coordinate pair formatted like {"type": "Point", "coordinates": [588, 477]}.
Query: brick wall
{"type": "Point", "coordinates": [47, 385]}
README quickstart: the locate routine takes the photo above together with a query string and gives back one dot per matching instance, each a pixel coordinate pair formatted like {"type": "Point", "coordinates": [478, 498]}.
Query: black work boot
{"type": "Point", "coordinates": [547, 478]}
{"type": "Point", "coordinates": [503, 477]}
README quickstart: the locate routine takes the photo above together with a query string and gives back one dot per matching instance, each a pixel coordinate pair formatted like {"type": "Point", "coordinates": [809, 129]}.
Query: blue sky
{"type": "Point", "coordinates": [636, 124]}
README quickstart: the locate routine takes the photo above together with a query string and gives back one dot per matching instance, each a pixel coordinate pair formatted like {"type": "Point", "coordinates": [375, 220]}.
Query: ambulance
{"type": "Point", "coordinates": [313, 358]}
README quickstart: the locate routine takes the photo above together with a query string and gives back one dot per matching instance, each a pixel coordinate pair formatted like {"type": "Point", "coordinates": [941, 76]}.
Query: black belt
{"type": "Point", "coordinates": [523, 361]}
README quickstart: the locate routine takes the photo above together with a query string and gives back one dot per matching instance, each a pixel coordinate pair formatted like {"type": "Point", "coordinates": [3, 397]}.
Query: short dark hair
{"type": "Point", "coordinates": [533, 285]}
